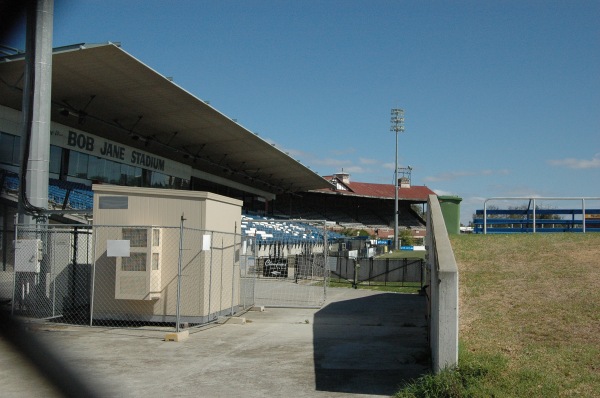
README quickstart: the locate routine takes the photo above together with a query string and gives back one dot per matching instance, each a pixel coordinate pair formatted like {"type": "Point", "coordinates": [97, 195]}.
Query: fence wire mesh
{"type": "Point", "coordinates": [7, 271]}
{"type": "Point", "coordinates": [154, 276]}
{"type": "Point", "coordinates": [289, 273]}
{"type": "Point", "coordinates": [147, 287]}
{"type": "Point", "coordinates": [126, 276]}
{"type": "Point", "coordinates": [51, 273]}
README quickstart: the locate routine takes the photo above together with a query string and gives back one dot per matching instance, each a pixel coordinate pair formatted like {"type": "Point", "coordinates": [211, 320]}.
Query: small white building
{"type": "Point", "coordinates": [137, 249]}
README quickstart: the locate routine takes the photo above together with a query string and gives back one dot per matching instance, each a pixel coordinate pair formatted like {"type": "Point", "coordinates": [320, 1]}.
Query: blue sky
{"type": "Point", "coordinates": [501, 98]}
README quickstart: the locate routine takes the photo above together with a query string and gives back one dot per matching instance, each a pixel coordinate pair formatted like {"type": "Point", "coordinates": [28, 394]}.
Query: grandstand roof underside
{"type": "Point", "coordinates": [134, 105]}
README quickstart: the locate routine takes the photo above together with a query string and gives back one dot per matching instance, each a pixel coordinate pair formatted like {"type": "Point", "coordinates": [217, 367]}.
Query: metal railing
{"type": "Point", "coordinates": [533, 210]}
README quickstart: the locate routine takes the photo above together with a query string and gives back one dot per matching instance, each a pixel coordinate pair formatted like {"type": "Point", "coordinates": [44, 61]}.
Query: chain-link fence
{"type": "Point", "coordinates": [297, 280]}
{"type": "Point", "coordinates": [7, 272]}
{"type": "Point", "coordinates": [51, 272]}
{"type": "Point", "coordinates": [169, 272]}
{"type": "Point", "coordinates": [128, 275]}
{"type": "Point", "coordinates": [295, 277]}
{"type": "Point", "coordinates": [290, 271]}
{"type": "Point", "coordinates": [134, 276]}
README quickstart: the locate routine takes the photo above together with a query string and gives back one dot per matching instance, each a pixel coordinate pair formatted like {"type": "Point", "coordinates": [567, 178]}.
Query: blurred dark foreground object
{"type": "Point", "coordinates": [50, 367]}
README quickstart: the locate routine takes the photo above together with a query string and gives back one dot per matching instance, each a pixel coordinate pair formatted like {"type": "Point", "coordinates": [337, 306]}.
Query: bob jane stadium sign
{"type": "Point", "coordinates": [103, 148]}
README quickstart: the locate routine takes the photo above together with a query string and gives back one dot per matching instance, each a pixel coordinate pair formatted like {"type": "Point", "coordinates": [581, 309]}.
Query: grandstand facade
{"type": "Point", "coordinates": [116, 121]}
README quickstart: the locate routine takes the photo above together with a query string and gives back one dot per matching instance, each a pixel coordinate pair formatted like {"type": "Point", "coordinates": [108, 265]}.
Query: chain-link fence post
{"type": "Point", "coordinates": [326, 269]}
{"type": "Point", "coordinates": [178, 304]}
{"type": "Point", "coordinates": [93, 281]}
{"type": "Point", "coordinates": [233, 267]}
{"type": "Point", "coordinates": [12, 306]}
{"type": "Point", "coordinates": [210, 272]}
{"type": "Point", "coordinates": [221, 274]}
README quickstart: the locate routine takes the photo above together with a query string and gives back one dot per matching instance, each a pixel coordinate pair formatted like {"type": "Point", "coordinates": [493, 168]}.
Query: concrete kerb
{"type": "Point", "coordinates": [177, 336]}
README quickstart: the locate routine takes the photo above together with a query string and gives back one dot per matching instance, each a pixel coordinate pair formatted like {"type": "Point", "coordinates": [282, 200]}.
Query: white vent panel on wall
{"type": "Point", "coordinates": [138, 276]}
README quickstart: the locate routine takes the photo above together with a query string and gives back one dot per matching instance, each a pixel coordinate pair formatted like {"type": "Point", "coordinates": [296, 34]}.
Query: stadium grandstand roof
{"type": "Point", "coordinates": [416, 193]}
{"type": "Point", "coordinates": [105, 91]}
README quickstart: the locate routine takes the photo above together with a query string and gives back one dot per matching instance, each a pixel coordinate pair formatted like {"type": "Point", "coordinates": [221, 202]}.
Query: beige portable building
{"type": "Point", "coordinates": [137, 254]}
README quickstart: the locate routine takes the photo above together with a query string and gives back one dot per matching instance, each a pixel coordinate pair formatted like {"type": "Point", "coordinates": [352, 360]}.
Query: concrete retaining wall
{"type": "Point", "coordinates": [443, 290]}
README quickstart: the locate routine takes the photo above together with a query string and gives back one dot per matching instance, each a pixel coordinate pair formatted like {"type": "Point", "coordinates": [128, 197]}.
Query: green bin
{"type": "Point", "coordinates": [451, 211]}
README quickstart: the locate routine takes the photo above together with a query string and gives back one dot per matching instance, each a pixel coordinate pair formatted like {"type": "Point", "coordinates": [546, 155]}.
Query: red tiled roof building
{"type": "Point", "coordinates": [358, 205]}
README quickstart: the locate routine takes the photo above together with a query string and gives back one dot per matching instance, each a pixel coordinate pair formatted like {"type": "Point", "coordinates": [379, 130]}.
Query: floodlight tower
{"type": "Point", "coordinates": [397, 127]}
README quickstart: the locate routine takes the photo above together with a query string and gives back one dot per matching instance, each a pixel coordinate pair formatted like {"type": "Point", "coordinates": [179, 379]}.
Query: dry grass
{"type": "Point", "coordinates": [535, 300]}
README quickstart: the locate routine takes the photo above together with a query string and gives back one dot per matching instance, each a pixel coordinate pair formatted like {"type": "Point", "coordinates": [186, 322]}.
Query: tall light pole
{"type": "Point", "coordinates": [397, 127]}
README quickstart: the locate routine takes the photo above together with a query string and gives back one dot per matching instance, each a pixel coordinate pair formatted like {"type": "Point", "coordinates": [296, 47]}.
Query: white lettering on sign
{"type": "Point", "coordinates": [276, 263]}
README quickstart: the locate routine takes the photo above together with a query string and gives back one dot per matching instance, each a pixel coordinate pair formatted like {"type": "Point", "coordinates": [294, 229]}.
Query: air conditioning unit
{"type": "Point", "coordinates": [138, 277]}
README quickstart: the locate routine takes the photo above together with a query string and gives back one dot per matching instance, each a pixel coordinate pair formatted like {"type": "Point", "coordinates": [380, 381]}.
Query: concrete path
{"type": "Point", "coordinates": [361, 344]}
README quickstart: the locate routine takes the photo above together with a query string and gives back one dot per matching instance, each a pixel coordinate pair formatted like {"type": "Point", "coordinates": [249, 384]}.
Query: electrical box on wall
{"type": "Point", "coordinates": [28, 255]}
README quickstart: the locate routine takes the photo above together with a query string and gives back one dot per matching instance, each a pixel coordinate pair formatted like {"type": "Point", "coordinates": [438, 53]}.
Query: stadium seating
{"type": "Point", "coordinates": [73, 195]}
{"type": "Point", "coordinates": [348, 212]}
{"type": "Point", "coordinates": [271, 229]}
{"type": "Point", "coordinates": [10, 181]}
{"type": "Point", "coordinates": [63, 194]}
{"type": "Point", "coordinates": [76, 195]}
{"type": "Point", "coordinates": [503, 221]}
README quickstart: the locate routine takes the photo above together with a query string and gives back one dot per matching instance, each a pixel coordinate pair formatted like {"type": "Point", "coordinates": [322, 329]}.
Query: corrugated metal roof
{"type": "Point", "coordinates": [124, 100]}
{"type": "Point", "coordinates": [417, 193]}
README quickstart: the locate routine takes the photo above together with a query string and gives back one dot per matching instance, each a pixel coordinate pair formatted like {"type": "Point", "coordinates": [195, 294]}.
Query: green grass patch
{"type": "Point", "coordinates": [529, 318]}
{"type": "Point", "coordinates": [471, 378]}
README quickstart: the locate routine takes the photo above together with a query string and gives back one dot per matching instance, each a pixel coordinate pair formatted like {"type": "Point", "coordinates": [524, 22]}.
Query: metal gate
{"type": "Point", "coordinates": [289, 272]}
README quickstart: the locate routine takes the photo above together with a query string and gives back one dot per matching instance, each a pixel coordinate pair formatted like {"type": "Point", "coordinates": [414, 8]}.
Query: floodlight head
{"type": "Point", "coordinates": [397, 120]}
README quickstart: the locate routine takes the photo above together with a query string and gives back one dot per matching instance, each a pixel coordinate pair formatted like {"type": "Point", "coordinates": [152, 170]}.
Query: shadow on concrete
{"type": "Point", "coordinates": [370, 345]}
